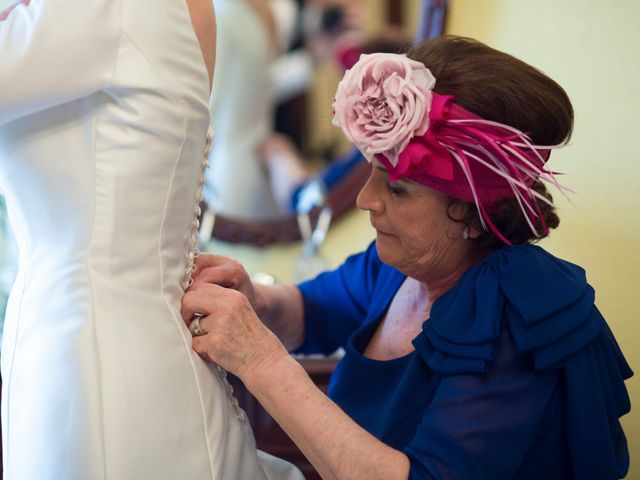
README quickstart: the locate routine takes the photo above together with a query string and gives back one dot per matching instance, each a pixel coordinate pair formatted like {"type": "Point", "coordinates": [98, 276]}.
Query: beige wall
{"type": "Point", "coordinates": [592, 48]}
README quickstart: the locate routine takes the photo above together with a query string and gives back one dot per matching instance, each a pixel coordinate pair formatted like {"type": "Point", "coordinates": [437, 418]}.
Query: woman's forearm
{"type": "Point", "coordinates": [281, 309]}
{"type": "Point", "coordinates": [336, 446]}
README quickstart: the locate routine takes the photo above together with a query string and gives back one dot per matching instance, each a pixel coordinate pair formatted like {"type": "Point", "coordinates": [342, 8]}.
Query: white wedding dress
{"type": "Point", "coordinates": [103, 121]}
{"type": "Point", "coordinates": [241, 114]}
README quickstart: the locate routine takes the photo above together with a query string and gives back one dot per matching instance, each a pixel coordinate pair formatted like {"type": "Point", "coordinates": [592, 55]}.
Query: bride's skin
{"type": "Point", "coordinates": [204, 24]}
{"type": "Point", "coordinates": [5, 13]}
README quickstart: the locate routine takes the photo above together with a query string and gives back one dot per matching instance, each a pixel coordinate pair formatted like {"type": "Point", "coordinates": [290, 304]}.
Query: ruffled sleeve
{"type": "Point", "coordinates": [548, 308]}
{"type": "Point", "coordinates": [55, 51]}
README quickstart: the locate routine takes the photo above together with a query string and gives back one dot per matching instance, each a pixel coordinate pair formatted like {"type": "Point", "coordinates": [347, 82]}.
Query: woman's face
{"type": "Point", "coordinates": [414, 233]}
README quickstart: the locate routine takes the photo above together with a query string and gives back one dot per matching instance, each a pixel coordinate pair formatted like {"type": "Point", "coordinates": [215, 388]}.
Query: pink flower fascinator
{"type": "Point", "coordinates": [386, 106]}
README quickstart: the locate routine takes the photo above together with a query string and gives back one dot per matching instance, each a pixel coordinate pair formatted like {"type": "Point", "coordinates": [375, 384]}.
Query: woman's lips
{"type": "Point", "coordinates": [380, 231]}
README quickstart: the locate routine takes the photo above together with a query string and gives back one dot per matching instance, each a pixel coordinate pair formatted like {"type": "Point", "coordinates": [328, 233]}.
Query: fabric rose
{"type": "Point", "coordinates": [382, 103]}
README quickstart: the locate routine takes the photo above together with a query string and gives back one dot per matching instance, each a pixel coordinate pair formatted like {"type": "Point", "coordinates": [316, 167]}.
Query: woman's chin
{"type": "Point", "coordinates": [386, 247]}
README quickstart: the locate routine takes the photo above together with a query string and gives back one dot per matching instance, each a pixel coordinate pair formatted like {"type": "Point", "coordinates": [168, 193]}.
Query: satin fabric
{"type": "Point", "coordinates": [103, 121]}
{"type": "Point", "coordinates": [241, 114]}
{"type": "Point", "coordinates": [515, 375]}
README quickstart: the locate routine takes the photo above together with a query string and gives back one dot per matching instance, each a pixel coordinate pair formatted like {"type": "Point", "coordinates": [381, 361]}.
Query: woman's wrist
{"type": "Point", "coordinates": [280, 308]}
{"type": "Point", "coordinates": [259, 304]}
{"type": "Point", "coordinates": [276, 371]}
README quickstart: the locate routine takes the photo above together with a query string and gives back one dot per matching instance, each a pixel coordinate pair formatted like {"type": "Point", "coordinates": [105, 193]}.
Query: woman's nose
{"type": "Point", "coordinates": [367, 199]}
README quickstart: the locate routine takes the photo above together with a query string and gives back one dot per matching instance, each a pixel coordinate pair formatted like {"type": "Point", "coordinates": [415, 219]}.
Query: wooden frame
{"type": "Point", "coordinates": [285, 230]}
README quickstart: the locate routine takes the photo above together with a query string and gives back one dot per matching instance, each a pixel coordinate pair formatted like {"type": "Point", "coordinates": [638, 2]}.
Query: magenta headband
{"type": "Point", "coordinates": [386, 107]}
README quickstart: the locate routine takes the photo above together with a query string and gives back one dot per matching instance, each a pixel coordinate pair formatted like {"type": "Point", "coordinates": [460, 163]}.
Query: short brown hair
{"type": "Point", "coordinates": [499, 87]}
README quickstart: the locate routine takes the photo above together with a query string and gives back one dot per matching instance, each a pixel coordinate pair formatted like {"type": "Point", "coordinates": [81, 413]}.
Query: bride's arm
{"type": "Point", "coordinates": [54, 51]}
{"type": "Point", "coordinates": [5, 13]}
{"type": "Point", "coordinates": [203, 19]}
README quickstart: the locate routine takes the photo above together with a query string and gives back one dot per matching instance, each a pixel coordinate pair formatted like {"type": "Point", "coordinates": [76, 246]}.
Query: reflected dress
{"type": "Point", "coordinates": [103, 121]}
{"type": "Point", "coordinates": [241, 115]}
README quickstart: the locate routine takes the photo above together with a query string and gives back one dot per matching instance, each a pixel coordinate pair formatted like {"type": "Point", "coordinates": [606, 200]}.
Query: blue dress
{"type": "Point", "coordinates": [515, 375]}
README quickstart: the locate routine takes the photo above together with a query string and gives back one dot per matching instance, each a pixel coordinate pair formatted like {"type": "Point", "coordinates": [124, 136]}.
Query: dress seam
{"type": "Point", "coordinates": [89, 270]}
{"type": "Point", "coordinates": [178, 322]}
{"type": "Point", "coordinates": [7, 387]}
{"type": "Point", "coordinates": [98, 356]}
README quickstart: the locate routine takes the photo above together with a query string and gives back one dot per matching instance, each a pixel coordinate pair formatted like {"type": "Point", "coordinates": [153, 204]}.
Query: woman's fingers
{"type": "Point", "coordinates": [200, 346]}
{"type": "Point", "coordinates": [223, 271]}
{"type": "Point", "coordinates": [201, 300]}
{"type": "Point", "coordinates": [236, 339]}
{"type": "Point", "coordinates": [225, 275]}
{"type": "Point", "coordinates": [229, 331]}
{"type": "Point", "coordinates": [207, 260]}
{"type": "Point", "coordinates": [226, 272]}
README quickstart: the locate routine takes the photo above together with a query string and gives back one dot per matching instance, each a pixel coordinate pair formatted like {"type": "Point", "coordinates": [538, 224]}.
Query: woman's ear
{"type": "Point", "coordinates": [458, 210]}
{"type": "Point", "coordinates": [461, 212]}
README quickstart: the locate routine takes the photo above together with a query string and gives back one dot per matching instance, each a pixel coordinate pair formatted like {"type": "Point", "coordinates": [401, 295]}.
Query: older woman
{"type": "Point", "coordinates": [469, 352]}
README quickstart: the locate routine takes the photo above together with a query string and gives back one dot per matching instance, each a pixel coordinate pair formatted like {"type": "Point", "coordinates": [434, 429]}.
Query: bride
{"type": "Point", "coordinates": [103, 145]}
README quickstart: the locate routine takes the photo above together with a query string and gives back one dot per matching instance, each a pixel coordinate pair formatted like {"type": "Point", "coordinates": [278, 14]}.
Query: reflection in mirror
{"type": "Point", "coordinates": [258, 169]}
{"type": "Point", "coordinates": [241, 110]}
{"type": "Point", "coordinates": [341, 199]}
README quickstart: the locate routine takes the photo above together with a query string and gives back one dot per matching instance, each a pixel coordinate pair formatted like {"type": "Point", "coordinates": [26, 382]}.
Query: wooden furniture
{"type": "Point", "coordinates": [269, 436]}
{"type": "Point", "coordinates": [285, 230]}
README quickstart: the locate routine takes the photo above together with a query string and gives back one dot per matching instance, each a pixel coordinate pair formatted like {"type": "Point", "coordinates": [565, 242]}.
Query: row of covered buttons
{"type": "Point", "coordinates": [190, 267]}
{"type": "Point", "coordinates": [222, 373]}
{"type": "Point", "coordinates": [192, 243]}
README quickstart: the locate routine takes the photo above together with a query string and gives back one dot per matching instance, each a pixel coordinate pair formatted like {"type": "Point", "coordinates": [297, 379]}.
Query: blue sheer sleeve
{"type": "Point", "coordinates": [337, 302]}
{"type": "Point", "coordinates": [481, 426]}
{"type": "Point", "coordinates": [548, 308]}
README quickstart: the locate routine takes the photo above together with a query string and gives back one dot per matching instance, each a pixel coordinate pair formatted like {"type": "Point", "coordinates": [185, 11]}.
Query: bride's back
{"type": "Point", "coordinates": [102, 187]}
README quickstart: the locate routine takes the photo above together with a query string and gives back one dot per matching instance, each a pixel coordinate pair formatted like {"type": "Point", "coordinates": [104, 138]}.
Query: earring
{"type": "Point", "coordinates": [465, 233]}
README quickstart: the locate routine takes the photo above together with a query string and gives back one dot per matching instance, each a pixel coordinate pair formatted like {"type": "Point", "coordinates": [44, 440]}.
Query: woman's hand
{"type": "Point", "coordinates": [5, 13]}
{"type": "Point", "coordinates": [280, 307]}
{"type": "Point", "coordinates": [233, 335]}
{"type": "Point", "coordinates": [226, 272]}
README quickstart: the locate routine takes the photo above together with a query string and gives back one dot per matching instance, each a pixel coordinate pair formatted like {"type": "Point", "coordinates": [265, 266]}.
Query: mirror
{"type": "Point", "coordinates": [247, 178]}
{"type": "Point", "coordinates": [286, 229]}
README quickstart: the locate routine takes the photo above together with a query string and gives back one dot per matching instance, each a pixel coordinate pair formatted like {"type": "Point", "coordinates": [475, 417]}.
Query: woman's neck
{"type": "Point", "coordinates": [434, 284]}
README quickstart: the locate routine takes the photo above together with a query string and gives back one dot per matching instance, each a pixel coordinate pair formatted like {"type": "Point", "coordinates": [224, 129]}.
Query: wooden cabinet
{"type": "Point", "coordinates": [269, 435]}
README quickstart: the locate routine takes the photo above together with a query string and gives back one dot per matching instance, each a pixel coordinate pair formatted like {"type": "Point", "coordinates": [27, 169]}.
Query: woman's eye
{"type": "Point", "coordinates": [394, 189]}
